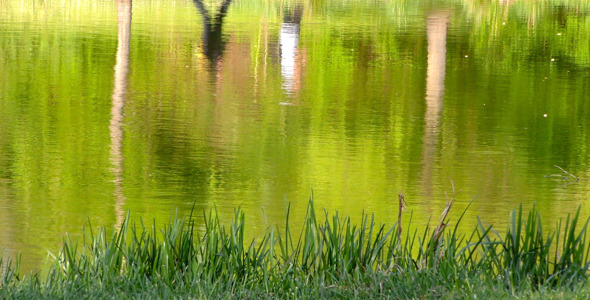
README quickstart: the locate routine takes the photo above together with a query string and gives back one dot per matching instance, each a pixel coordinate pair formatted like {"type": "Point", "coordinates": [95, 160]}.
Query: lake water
{"type": "Point", "coordinates": [107, 108]}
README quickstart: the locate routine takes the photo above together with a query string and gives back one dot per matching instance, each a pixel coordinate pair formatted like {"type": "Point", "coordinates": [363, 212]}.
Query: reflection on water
{"type": "Point", "coordinates": [436, 31]}
{"type": "Point", "coordinates": [119, 96]}
{"type": "Point", "coordinates": [213, 40]}
{"type": "Point", "coordinates": [179, 122]}
{"type": "Point", "coordinates": [289, 43]}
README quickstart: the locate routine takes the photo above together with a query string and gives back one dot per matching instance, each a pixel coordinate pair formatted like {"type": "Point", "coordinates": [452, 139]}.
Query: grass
{"type": "Point", "coordinates": [329, 258]}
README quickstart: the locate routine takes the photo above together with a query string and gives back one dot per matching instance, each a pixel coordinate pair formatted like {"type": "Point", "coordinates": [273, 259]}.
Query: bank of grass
{"type": "Point", "coordinates": [329, 258]}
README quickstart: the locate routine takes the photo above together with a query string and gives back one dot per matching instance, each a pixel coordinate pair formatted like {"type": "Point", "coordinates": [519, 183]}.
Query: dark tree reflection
{"type": "Point", "coordinates": [213, 41]}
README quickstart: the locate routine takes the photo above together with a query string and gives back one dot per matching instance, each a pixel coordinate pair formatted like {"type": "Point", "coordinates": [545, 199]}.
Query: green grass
{"type": "Point", "coordinates": [327, 258]}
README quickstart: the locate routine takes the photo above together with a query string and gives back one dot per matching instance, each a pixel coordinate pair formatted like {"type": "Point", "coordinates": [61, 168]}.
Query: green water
{"type": "Point", "coordinates": [102, 111]}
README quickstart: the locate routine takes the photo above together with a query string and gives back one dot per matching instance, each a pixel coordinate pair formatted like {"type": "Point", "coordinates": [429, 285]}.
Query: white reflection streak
{"type": "Point", "coordinates": [436, 30]}
{"type": "Point", "coordinates": [119, 95]}
{"type": "Point", "coordinates": [289, 40]}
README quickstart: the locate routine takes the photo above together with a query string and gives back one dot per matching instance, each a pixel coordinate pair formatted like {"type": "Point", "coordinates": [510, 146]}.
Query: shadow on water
{"type": "Point", "coordinates": [119, 98]}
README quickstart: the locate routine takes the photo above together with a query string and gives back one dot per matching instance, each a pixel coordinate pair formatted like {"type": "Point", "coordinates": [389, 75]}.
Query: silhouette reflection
{"type": "Point", "coordinates": [436, 30]}
{"type": "Point", "coordinates": [213, 41]}
{"type": "Point", "coordinates": [289, 52]}
{"type": "Point", "coordinates": [119, 97]}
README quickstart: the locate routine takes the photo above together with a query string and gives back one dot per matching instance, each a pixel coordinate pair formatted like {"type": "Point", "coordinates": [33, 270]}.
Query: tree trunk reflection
{"type": "Point", "coordinates": [119, 97]}
{"type": "Point", "coordinates": [213, 40]}
{"type": "Point", "coordinates": [436, 30]}
{"type": "Point", "coordinates": [289, 52]}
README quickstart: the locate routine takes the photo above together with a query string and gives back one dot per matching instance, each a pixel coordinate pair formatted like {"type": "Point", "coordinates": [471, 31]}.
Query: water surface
{"type": "Point", "coordinates": [158, 105]}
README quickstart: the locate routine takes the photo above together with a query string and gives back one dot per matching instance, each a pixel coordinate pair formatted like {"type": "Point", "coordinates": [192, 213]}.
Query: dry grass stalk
{"type": "Point", "coordinates": [402, 207]}
{"type": "Point", "coordinates": [568, 173]}
{"type": "Point", "coordinates": [441, 226]}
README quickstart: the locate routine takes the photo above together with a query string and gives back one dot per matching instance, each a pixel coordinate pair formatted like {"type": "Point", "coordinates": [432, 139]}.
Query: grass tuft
{"type": "Point", "coordinates": [330, 258]}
